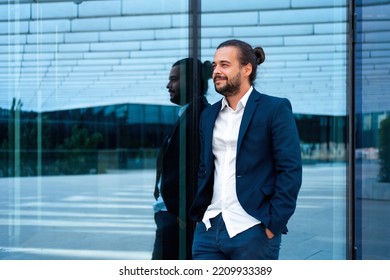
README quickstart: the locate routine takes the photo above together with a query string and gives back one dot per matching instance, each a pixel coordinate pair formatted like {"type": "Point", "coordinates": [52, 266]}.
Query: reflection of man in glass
{"type": "Point", "coordinates": [176, 165]}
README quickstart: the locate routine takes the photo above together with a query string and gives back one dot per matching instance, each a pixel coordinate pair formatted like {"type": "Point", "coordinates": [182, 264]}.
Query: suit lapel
{"type": "Point", "coordinates": [250, 109]}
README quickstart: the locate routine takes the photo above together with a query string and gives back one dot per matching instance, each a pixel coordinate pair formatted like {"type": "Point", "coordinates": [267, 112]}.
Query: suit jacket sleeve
{"type": "Point", "coordinates": [287, 164]}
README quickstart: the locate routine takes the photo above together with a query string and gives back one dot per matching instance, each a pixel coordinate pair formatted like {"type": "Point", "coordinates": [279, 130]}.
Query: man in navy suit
{"type": "Point", "coordinates": [176, 167]}
{"type": "Point", "coordinates": [250, 169]}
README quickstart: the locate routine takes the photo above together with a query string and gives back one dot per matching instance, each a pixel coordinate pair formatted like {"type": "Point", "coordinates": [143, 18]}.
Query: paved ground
{"type": "Point", "coordinates": [110, 217]}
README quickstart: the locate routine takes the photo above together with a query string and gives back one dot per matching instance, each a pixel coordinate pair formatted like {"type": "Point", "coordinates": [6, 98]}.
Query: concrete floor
{"type": "Point", "coordinates": [110, 217]}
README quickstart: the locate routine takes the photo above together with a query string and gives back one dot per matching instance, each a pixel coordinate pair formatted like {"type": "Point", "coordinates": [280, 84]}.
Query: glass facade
{"type": "Point", "coordinates": [306, 60]}
{"type": "Point", "coordinates": [84, 109]}
{"type": "Point", "coordinates": [372, 129]}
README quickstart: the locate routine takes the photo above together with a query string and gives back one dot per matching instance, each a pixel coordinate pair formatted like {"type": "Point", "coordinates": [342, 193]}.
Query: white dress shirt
{"type": "Point", "coordinates": [224, 200]}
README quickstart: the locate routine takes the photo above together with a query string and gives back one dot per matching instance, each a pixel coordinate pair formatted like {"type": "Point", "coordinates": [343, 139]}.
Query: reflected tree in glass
{"type": "Point", "coordinates": [384, 150]}
{"type": "Point", "coordinates": [78, 155]}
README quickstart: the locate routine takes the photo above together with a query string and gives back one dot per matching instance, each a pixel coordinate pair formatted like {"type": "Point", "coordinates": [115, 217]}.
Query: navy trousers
{"type": "Point", "coordinates": [251, 244]}
{"type": "Point", "coordinates": [166, 243]}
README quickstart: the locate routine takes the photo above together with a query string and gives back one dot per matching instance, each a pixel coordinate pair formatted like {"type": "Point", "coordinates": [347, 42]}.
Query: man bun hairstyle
{"type": "Point", "coordinates": [246, 54]}
{"type": "Point", "coordinates": [205, 71]}
{"type": "Point", "coordinates": [260, 55]}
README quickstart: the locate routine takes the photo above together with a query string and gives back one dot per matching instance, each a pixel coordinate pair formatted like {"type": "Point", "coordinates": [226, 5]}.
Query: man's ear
{"type": "Point", "coordinates": [247, 69]}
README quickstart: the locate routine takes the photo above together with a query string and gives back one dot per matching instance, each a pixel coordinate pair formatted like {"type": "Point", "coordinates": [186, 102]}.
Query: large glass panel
{"type": "Point", "coordinates": [373, 129]}
{"type": "Point", "coordinates": [83, 110]}
{"type": "Point", "coordinates": [305, 43]}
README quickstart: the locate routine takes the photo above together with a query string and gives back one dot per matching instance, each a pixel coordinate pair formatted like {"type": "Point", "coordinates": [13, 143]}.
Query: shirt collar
{"type": "Point", "coordinates": [183, 109]}
{"type": "Point", "coordinates": [243, 100]}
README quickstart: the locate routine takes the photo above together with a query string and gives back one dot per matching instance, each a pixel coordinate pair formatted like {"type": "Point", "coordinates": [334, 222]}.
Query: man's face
{"type": "Point", "coordinates": [227, 74]}
{"type": "Point", "coordinates": [173, 85]}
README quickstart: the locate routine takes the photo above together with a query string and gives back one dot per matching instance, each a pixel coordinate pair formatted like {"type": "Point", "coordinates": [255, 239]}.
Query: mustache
{"type": "Point", "coordinates": [219, 76]}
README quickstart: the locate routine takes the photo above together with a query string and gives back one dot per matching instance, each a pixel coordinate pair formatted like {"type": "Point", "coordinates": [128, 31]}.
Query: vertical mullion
{"type": "Point", "coordinates": [351, 174]}
{"type": "Point", "coordinates": [193, 52]}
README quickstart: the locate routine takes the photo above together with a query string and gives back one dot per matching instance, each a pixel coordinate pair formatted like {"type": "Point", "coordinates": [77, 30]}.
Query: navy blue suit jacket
{"type": "Point", "coordinates": [268, 161]}
{"type": "Point", "coordinates": [169, 167]}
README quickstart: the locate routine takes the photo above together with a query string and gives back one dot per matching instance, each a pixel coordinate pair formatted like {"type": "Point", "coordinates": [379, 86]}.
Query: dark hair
{"type": "Point", "coordinates": [246, 54]}
{"type": "Point", "coordinates": [205, 71]}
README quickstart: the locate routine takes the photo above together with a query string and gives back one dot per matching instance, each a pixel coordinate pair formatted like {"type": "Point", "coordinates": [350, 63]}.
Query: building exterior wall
{"type": "Point", "coordinates": [84, 108]}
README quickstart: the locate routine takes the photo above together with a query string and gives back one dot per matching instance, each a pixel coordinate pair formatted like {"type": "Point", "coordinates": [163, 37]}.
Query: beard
{"type": "Point", "coordinates": [232, 86]}
{"type": "Point", "coordinates": [175, 98]}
